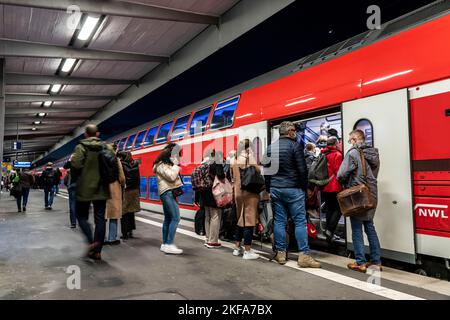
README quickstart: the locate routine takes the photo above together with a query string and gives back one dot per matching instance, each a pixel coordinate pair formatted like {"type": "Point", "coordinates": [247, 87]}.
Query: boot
{"type": "Point", "coordinates": [306, 261]}
{"type": "Point", "coordinates": [281, 257]}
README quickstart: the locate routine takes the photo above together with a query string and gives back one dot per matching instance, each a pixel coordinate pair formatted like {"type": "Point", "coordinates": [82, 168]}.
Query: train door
{"type": "Point", "coordinates": [385, 120]}
{"type": "Point", "coordinates": [314, 130]}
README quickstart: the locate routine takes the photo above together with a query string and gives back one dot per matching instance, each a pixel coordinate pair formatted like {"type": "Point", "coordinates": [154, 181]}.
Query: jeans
{"type": "Point", "coordinates": [246, 233]}
{"type": "Point", "coordinates": [72, 203]}
{"type": "Point", "coordinates": [49, 193]}
{"type": "Point", "coordinates": [112, 236]}
{"type": "Point", "coordinates": [25, 194]}
{"type": "Point", "coordinates": [285, 202]}
{"type": "Point", "coordinates": [358, 241]}
{"type": "Point", "coordinates": [333, 210]}
{"type": "Point", "coordinates": [171, 217]}
{"type": "Point", "coordinates": [99, 220]}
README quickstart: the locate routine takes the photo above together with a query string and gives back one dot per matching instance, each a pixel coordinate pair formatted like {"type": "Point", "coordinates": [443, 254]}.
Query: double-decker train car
{"type": "Point", "coordinates": [392, 83]}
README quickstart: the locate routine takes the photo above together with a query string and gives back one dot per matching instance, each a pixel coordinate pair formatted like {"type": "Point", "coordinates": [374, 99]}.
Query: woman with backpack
{"type": "Point", "coordinates": [167, 172]}
{"type": "Point", "coordinates": [206, 200]}
{"type": "Point", "coordinates": [246, 202]}
{"type": "Point", "coordinates": [131, 194]}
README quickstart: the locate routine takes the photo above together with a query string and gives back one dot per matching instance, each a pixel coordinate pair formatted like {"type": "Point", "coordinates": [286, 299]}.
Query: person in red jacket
{"type": "Point", "coordinates": [330, 191]}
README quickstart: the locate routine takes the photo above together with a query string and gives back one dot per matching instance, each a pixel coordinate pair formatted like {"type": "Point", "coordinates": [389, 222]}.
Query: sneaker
{"type": "Point", "coordinates": [357, 267]}
{"type": "Point", "coordinates": [281, 257]}
{"type": "Point", "coordinates": [172, 249]}
{"type": "Point", "coordinates": [112, 243]}
{"type": "Point", "coordinates": [73, 226]}
{"type": "Point", "coordinates": [163, 248]}
{"type": "Point", "coordinates": [213, 245]}
{"type": "Point", "coordinates": [250, 255]}
{"type": "Point", "coordinates": [306, 261]}
{"type": "Point", "coordinates": [24, 209]}
{"type": "Point", "coordinates": [237, 251]}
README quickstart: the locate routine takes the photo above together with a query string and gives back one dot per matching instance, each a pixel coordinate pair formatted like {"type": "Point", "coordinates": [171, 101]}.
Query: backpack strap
{"type": "Point", "coordinates": [363, 163]}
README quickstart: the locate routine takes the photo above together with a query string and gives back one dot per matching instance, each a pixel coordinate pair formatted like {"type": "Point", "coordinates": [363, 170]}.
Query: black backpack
{"type": "Point", "coordinates": [109, 169]}
{"type": "Point", "coordinates": [50, 177]}
{"type": "Point", "coordinates": [132, 176]}
{"type": "Point", "coordinates": [318, 173]}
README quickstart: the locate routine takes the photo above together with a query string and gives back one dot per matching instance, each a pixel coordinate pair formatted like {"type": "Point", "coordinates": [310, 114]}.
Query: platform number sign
{"type": "Point", "coordinates": [16, 145]}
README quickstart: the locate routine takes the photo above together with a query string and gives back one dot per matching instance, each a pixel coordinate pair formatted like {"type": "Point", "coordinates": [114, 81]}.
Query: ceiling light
{"type": "Point", "coordinates": [41, 114]}
{"type": "Point", "coordinates": [55, 88]}
{"type": "Point", "coordinates": [88, 28]}
{"type": "Point", "coordinates": [37, 122]}
{"type": "Point", "coordinates": [33, 129]}
{"type": "Point", "coordinates": [68, 64]}
{"type": "Point", "coordinates": [48, 103]}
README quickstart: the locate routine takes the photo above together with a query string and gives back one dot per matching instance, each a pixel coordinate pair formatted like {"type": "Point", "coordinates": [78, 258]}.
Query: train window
{"type": "Point", "coordinates": [150, 137]}
{"type": "Point", "coordinates": [198, 123]}
{"type": "Point", "coordinates": [366, 127]}
{"type": "Point", "coordinates": [117, 142]}
{"type": "Point", "coordinates": [121, 143]}
{"type": "Point", "coordinates": [188, 196]}
{"type": "Point", "coordinates": [140, 137]}
{"type": "Point", "coordinates": [179, 129]}
{"type": "Point", "coordinates": [143, 188]}
{"type": "Point", "coordinates": [130, 141]}
{"type": "Point", "coordinates": [224, 114]}
{"type": "Point", "coordinates": [163, 132]}
{"type": "Point", "coordinates": [153, 189]}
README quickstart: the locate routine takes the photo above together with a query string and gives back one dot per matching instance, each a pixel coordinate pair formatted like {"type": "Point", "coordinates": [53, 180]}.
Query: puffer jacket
{"type": "Point", "coordinates": [287, 156]}
{"type": "Point", "coordinates": [350, 172]}
{"type": "Point", "coordinates": [334, 160]}
{"type": "Point", "coordinates": [167, 177]}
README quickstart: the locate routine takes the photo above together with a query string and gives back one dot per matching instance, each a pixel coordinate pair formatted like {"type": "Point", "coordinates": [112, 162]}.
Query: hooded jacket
{"type": "Point", "coordinates": [90, 186]}
{"type": "Point", "coordinates": [334, 161]}
{"type": "Point", "coordinates": [167, 177]}
{"type": "Point", "coordinates": [350, 173]}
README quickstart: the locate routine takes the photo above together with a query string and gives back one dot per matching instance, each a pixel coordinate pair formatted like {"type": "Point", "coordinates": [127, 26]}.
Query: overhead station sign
{"type": "Point", "coordinates": [22, 164]}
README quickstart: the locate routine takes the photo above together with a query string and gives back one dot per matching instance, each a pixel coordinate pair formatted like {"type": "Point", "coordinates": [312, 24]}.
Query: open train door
{"type": "Point", "coordinates": [385, 120]}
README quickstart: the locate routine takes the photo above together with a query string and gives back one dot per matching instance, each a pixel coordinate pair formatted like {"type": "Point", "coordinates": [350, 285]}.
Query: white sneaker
{"type": "Point", "coordinates": [172, 249]}
{"type": "Point", "coordinates": [237, 251]}
{"type": "Point", "coordinates": [163, 248]}
{"type": "Point", "coordinates": [250, 255]}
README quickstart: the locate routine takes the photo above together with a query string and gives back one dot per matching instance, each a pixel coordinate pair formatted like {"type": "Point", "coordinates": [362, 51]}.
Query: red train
{"type": "Point", "coordinates": [397, 89]}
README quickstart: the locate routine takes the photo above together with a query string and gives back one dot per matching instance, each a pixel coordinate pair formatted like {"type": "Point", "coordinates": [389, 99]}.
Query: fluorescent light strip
{"type": "Point", "coordinates": [55, 88]}
{"type": "Point", "coordinates": [88, 27]}
{"type": "Point", "coordinates": [68, 64]}
{"type": "Point", "coordinates": [48, 103]}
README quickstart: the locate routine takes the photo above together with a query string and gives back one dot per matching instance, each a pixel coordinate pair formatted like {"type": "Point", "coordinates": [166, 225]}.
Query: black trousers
{"type": "Point", "coordinates": [128, 223]}
{"type": "Point", "coordinates": [82, 208]}
{"type": "Point", "coordinates": [246, 233]}
{"type": "Point", "coordinates": [333, 210]}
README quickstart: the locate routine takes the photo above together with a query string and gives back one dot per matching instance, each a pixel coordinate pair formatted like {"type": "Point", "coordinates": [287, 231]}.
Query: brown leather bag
{"type": "Point", "coordinates": [358, 199]}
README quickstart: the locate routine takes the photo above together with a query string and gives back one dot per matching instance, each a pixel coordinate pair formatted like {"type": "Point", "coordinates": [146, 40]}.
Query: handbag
{"type": "Point", "coordinates": [178, 192]}
{"type": "Point", "coordinates": [358, 199]}
{"type": "Point", "coordinates": [222, 192]}
{"type": "Point", "coordinates": [251, 179]}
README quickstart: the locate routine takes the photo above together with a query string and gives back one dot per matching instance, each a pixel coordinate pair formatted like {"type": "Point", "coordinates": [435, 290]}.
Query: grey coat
{"type": "Point", "coordinates": [350, 172]}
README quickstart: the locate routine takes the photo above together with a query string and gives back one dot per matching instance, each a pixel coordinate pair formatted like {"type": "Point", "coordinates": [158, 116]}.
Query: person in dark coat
{"type": "Point", "coordinates": [131, 201]}
{"type": "Point", "coordinates": [213, 214]}
{"type": "Point", "coordinates": [26, 181]}
{"type": "Point", "coordinates": [49, 181]}
{"type": "Point", "coordinates": [351, 174]}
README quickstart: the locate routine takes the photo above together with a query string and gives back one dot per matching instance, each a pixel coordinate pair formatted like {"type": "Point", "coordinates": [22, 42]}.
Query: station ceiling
{"type": "Point", "coordinates": [127, 48]}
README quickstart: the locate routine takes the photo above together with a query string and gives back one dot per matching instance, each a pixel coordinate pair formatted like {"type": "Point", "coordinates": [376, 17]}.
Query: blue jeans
{"type": "Point", "coordinates": [49, 193]}
{"type": "Point", "coordinates": [25, 194]}
{"type": "Point", "coordinates": [289, 202]}
{"type": "Point", "coordinates": [171, 217]}
{"type": "Point", "coordinates": [72, 203]}
{"type": "Point", "coordinates": [112, 236]}
{"type": "Point", "coordinates": [358, 241]}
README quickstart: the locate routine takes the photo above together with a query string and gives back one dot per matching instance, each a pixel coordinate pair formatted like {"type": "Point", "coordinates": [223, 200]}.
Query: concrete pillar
{"type": "Point", "coordinates": [2, 108]}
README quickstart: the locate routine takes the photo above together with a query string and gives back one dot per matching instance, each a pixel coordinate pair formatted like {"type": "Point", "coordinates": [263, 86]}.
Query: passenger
{"type": "Point", "coordinates": [70, 180]}
{"type": "Point", "coordinates": [333, 133]}
{"type": "Point", "coordinates": [26, 181]}
{"type": "Point", "coordinates": [330, 191]}
{"type": "Point", "coordinates": [114, 204]}
{"type": "Point", "coordinates": [49, 181]}
{"type": "Point", "coordinates": [350, 174]}
{"type": "Point", "coordinates": [167, 172]}
{"type": "Point", "coordinates": [287, 190]}
{"type": "Point", "coordinates": [91, 189]}
{"type": "Point", "coordinates": [213, 214]}
{"type": "Point", "coordinates": [131, 195]}
{"type": "Point", "coordinates": [247, 203]}
{"type": "Point", "coordinates": [58, 179]}
{"type": "Point", "coordinates": [310, 154]}
{"type": "Point", "coordinates": [322, 141]}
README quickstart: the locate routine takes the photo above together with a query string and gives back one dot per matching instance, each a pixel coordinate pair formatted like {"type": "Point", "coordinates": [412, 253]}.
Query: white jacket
{"type": "Point", "coordinates": [167, 177]}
